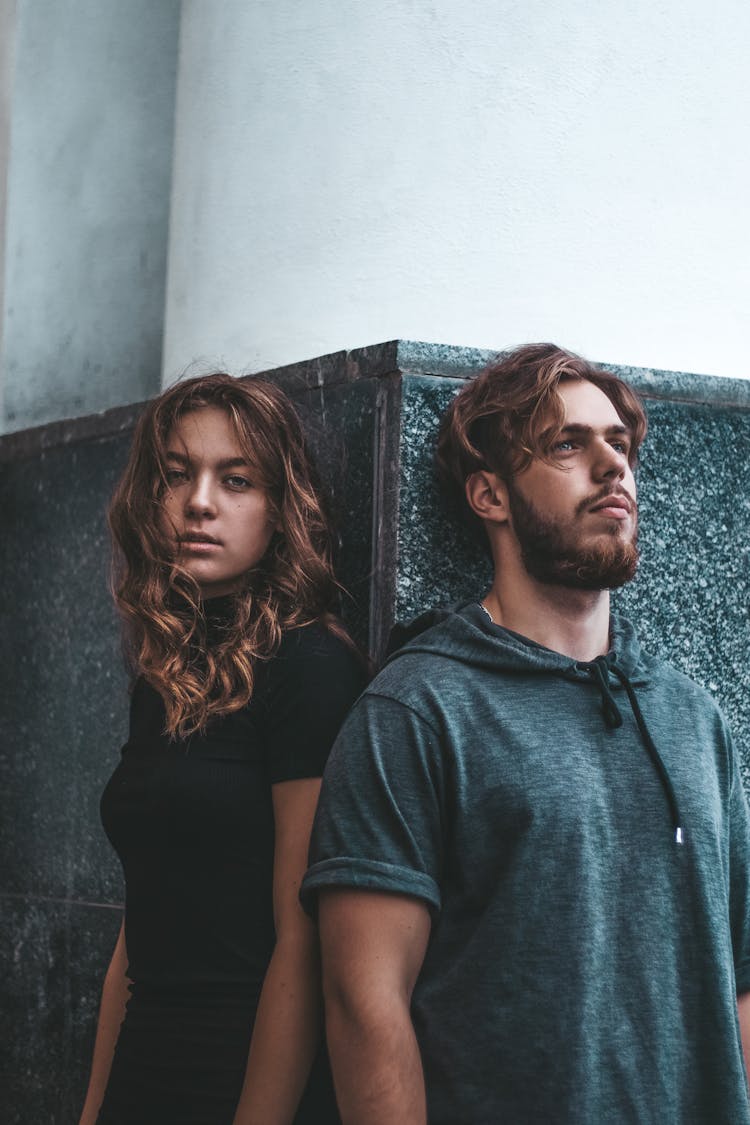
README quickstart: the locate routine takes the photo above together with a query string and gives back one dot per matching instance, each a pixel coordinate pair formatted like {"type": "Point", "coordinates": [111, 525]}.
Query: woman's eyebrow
{"type": "Point", "coordinates": [225, 463]}
{"type": "Point", "coordinates": [233, 463]}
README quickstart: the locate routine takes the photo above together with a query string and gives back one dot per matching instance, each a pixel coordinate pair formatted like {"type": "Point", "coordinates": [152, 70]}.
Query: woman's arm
{"type": "Point", "coordinates": [288, 1021]}
{"type": "Point", "coordinates": [111, 1013]}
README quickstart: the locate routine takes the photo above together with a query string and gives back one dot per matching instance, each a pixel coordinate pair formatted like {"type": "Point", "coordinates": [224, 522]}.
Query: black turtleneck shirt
{"type": "Point", "coordinates": [192, 823]}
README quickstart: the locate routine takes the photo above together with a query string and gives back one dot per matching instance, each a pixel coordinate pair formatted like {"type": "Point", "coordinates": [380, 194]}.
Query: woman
{"type": "Point", "coordinates": [225, 586]}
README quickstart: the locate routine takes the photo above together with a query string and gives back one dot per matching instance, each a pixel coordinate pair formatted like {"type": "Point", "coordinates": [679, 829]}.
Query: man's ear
{"type": "Point", "coordinates": [487, 496]}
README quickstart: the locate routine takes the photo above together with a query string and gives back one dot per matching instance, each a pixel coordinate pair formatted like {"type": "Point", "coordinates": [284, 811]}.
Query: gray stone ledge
{"type": "Point", "coordinates": [410, 357]}
{"type": "Point", "coordinates": [681, 386]}
{"type": "Point", "coordinates": [318, 374]}
{"type": "Point", "coordinates": [68, 431]}
{"type": "Point", "coordinates": [416, 358]}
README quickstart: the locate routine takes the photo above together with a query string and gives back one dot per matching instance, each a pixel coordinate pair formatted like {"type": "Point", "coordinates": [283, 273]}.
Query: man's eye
{"type": "Point", "coordinates": [175, 476]}
{"type": "Point", "coordinates": [237, 482]}
{"type": "Point", "coordinates": [620, 447]}
{"type": "Point", "coordinates": [564, 446]}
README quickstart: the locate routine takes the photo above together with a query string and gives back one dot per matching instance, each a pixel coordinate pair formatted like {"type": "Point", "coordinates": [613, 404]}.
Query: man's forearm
{"type": "Point", "coordinates": [743, 1011]}
{"type": "Point", "coordinates": [373, 947]}
{"type": "Point", "coordinates": [377, 1067]}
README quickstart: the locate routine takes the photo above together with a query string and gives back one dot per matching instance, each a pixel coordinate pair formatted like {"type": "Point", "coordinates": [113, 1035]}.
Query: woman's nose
{"type": "Point", "coordinates": [200, 498]}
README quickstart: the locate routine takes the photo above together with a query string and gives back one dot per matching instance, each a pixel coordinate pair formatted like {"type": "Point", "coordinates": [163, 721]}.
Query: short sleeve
{"type": "Point", "coordinates": [309, 687]}
{"type": "Point", "coordinates": [739, 876]}
{"type": "Point", "coordinates": [380, 818]}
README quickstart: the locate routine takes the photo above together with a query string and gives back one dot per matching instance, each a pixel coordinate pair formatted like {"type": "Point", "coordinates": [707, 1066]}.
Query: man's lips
{"type": "Point", "coordinates": [616, 506]}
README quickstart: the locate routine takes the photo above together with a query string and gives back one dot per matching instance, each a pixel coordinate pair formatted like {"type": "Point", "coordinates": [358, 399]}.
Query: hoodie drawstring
{"type": "Point", "coordinates": [612, 717]}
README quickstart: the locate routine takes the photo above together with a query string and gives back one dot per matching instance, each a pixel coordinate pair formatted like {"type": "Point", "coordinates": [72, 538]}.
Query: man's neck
{"type": "Point", "coordinates": [572, 622]}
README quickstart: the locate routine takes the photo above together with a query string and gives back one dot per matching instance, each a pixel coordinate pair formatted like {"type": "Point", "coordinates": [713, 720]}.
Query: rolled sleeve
{"type": "Point", "coordinates": [739, 869]}
{"type": "Point", "coordinates": [379, 824]}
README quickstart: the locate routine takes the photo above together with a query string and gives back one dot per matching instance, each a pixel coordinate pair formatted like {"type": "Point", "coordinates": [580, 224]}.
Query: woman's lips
{"type": "Point", "coordinates": [199, 544]}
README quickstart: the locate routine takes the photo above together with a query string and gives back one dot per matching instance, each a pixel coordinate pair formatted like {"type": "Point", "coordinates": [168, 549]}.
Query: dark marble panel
{"type": "Point", "coordinates": [63, 692]}
{"type": "Point", "coordinates": [53, 956]}
{"type": "Point", "coordinates": [691, 599]}
{"type": "Point", "coordinates": [63, 716]}
{"type": "Point", "coordinates": [323, 371]}
{"type": "Point", "coordinates": [63, 688]}
{"type": "Point", "coordinates": [340, 423]}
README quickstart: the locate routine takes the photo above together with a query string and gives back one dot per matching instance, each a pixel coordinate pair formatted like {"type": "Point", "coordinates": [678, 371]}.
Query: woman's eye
{"type": "Point", "coordinates": [237, 482]}
{"type": "Point", "coordinates": [175, 476]}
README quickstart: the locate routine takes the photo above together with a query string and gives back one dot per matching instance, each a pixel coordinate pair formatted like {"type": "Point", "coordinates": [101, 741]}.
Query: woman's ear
{"type": "Point", "coordinates": [487, 496]}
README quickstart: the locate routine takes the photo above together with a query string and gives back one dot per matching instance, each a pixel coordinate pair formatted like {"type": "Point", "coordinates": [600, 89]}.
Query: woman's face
{"type": "Point", "coordinates": [218, 519]}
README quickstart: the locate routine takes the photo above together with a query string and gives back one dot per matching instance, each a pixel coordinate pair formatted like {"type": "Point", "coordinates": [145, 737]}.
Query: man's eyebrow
{"type": "Point", "coordinates": [580, 428]}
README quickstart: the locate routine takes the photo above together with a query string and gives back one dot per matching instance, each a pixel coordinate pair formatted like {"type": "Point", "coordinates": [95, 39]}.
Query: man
{"type": "Point", "coordinates": [532, 852]}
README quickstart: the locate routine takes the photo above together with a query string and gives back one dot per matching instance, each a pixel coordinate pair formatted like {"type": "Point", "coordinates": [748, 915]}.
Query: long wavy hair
{"type": "Point", "coordinates": [199, 671]}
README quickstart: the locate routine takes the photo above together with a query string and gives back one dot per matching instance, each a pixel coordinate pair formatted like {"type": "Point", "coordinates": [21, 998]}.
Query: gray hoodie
{"type": "Point", "coordinates": [583, 963]}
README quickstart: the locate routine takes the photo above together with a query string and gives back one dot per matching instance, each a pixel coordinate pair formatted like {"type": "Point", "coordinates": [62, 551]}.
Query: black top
{"type": "Point", "coordinates": [192, 823]}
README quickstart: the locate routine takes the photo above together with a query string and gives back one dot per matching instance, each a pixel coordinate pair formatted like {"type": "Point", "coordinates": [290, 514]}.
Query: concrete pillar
{"type": "Point", "coordinates": [7, 59]}
{"type": "Point", "coordinates": [91, 111]}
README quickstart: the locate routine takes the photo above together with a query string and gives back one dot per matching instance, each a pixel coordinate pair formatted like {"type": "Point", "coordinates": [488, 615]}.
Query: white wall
{"type": "Point", "coordinates": [90, 112]}
{"type": "Point", "coordinates": [478, 172]}
{"type": "Point", "coordinates": [7, 66]}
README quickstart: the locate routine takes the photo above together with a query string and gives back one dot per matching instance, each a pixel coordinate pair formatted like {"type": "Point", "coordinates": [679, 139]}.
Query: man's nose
{"type": "Point", "coordinates": [609, 462]}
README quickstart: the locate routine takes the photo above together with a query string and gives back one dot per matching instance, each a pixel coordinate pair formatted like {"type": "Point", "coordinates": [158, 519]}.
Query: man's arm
{"type": "Point", "coordinates": [373, 945]}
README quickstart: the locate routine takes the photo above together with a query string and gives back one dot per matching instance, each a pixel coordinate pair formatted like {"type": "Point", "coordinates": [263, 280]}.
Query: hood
{"type": "Point", "coordinates": [466, 634]}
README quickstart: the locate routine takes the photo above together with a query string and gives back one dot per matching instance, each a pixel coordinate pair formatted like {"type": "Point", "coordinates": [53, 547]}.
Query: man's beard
{"type": "Point", "coordinates": [552, 553]}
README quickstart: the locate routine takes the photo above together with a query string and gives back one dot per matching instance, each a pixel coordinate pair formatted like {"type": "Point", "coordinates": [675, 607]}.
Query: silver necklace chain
{"type": "Point", "coordinates": [489, 615]}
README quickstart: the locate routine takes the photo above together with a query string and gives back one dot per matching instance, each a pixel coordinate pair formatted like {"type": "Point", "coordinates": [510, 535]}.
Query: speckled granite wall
{"type": "Point", "coordinates": [372, 415]}
{"type": "Point", "coordinates": [691, 598]}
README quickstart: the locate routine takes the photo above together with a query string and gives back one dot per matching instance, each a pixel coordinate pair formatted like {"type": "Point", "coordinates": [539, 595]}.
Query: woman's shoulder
{"type": "Point", "coordinates": [306, 692]}
{"type": "Point", "coordinates": [316, 639]}
{"type": "Point", "coordinates": [316, 655]}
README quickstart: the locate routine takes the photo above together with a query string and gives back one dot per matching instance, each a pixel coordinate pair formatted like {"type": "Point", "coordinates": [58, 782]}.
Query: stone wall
{"type": "Point", "coordinates": [691, 598]}
{"type": "Point", "coordinates": [372, 416]}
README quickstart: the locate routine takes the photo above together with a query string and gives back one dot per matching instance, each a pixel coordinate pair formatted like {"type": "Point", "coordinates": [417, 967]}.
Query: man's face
{"type": "Point", "coordinates": [576, 518]}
